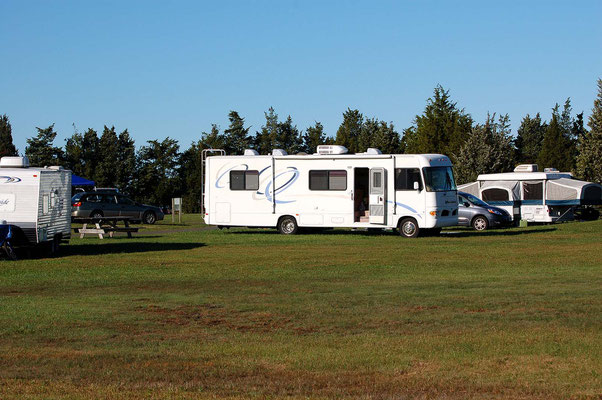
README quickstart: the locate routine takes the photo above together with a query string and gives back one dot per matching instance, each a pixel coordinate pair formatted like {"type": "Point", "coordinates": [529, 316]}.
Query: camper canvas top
{"type": "Point", "coordinates": [524, 176]}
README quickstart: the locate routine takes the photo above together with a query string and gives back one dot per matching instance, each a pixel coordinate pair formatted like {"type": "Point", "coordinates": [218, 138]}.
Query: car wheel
{"type": "Point", "coordinates": [287, 225]}
{"type": "Point", "coordinates": [149, 218]}
{"type": "Point", "coordinates": [408, 228]}
{"type": "Point", "coordinates": [480, 223]}
{"type": "Point", "coordinates": [96, 214]}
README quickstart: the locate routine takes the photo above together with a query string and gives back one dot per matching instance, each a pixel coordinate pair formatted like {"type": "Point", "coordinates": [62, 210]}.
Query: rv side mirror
{"type": "Point", "coordinates": [416, 186]}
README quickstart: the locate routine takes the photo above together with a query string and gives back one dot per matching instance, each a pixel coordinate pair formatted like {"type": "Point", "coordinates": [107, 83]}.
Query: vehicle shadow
{"type": "Point", "coordinates": [496, 232]}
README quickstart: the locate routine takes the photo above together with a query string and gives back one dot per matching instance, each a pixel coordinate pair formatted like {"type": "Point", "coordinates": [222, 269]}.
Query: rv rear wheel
{"type": "Point", "coordinates": [480, 223]}
{"type": "Point", "coordinates": [409, 228]}
{"type": "Point", "coordinates": [287, 225]}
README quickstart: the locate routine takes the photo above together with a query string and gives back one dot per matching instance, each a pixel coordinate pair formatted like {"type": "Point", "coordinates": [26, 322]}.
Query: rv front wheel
{"type": "Point", "coordinates": [287, 225]}
{"type": "Point", "coordinates": [409, 228]}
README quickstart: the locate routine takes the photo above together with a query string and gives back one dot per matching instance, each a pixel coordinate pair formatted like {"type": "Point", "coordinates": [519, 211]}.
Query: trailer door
{"type": "Point", "coordinates": [378, 195]}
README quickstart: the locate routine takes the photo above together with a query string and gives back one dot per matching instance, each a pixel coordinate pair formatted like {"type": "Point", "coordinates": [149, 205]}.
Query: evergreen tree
{"type": "Point", "coordinates": [313, 137]}
{"type": "Point", "coordinates": [266, 138]}
{"type": "Point", "coordinates": [350, 130]}
{"type": "Point", "coordinates": [529, 139]}
{"type": "Point", "coordinates": [40, 150]}
{"type": "Point", "coordinates": [386, 138]}
{"type": "Point", "coordinates": [90, 154]}
{"type": "Point", "coordinates": [158, 179]}
{"type": "Point", "coordinates": [589, 161]}
{"type": "Point", "coordinates": [288, 137]}
{"type": "Point", "coordinates": [211, 140]}
{"type": "Point", "coordinates": [367, 135]}
{"type": "Point", "coordinates": [236, 136]}
{"type": "Point", "coordinates": [553, 150]}
{"type": "Point", "coordinates": [74, 153]}
{"type": "Point", "coordinates": [190, 172]}
{"type": "Point", "coordinates": [126, 162]}
{"type": "Point", "coordinates": [442, 128]}
{"type": "Point", "coordinates": [488, 149]}
{"type": "Point", "coordinates": [7, 147]}
{"type": "Point", "coordinates": [108, 159]}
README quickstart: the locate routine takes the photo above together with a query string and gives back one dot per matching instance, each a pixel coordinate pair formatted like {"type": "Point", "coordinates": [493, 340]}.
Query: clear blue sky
{"type": "Point", "coordinates": [172, 68]}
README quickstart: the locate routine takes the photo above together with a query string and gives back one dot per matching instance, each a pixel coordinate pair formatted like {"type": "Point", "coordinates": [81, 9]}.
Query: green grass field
{"type": "Point", "coordinates": [187, 312]}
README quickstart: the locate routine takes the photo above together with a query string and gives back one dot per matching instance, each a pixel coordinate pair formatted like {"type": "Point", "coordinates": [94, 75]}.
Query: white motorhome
{"type": "Point", "coordinates": [409, 192]}
{"type": "Point", "coordinates": [548, 196]}
{"type": "Point", "coordinates": [36, 201]}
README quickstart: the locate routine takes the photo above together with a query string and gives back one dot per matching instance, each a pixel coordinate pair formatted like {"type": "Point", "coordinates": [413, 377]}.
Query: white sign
{"type": "Point", "coordinates": [7, 202]}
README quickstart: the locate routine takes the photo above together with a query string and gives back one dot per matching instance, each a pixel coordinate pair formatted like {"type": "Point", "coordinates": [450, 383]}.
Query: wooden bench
{"type": "Point", "coordinates": [105, 226]}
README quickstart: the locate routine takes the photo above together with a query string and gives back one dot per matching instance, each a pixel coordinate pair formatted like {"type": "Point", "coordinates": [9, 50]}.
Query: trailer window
{"type": "Point", "coordinates": [328, 180]}
{"type": "Point", "coordinates": [495, 195]}
{"type": "Point", "coordinates": [405, 178]}
{"type": "Point", "coordinates": [244, 180]}
{"type": "Point", "coordinates": [532, 190]}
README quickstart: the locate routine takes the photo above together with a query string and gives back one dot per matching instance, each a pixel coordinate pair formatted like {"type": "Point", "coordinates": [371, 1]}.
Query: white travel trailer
{"type": "Point", "coordinates": [527, 194]}
{"type": "Point", "coordinates": [409, 192]}
{"type": "Point", "coordinates": [36, 201]}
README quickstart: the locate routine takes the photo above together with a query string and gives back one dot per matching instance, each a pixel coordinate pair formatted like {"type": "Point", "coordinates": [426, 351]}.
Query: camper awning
{"type": "Point", "coordinates": [79, 181]}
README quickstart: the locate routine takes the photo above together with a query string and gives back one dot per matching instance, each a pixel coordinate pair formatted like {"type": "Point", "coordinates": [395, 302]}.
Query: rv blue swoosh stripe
{"type": "Point", "coordinates": [406, 207]}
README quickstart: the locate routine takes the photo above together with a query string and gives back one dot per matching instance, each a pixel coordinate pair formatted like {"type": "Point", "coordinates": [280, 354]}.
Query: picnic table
{"type": "Point", "coordinates": [105, 225]}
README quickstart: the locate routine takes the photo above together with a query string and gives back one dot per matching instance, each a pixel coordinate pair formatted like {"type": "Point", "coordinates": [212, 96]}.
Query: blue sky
{"type": "Point", "coordinates": [172, 68]}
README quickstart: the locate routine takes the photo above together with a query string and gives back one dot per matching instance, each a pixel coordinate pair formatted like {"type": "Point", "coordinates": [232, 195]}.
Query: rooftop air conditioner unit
{"type": "Point", "coordinates": [251, 152]}
{"type": "Point", "coordinates": [372, 150]}
{"type": "Point", "coordinates": [278, 152]}
{"type": "Point", "coordinates": [14, 162]}
{"type": "Point", "coordinates": [331, 149]}
{"type": "Point", "coordinates": [526, 168]}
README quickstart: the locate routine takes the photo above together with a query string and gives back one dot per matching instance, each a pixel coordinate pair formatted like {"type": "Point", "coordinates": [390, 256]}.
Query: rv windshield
{"type": "Point", "coordinates": [439, 179]}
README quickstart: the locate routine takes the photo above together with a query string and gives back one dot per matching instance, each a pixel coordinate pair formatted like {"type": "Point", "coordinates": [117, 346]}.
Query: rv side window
{"type": "Point", "coordinates": [495, 195]}
{"type": "Point", "coordinates": [405, 178]}
{"type": "Point", "coordinates": [244, 180]}
{"type": "Point", "coordinates": [532, 190]}
{"type": "Point", "coordinates": [328, 180]}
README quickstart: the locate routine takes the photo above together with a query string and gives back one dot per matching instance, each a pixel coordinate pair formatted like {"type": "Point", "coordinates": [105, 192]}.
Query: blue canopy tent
{"type": "Point", "coordinates": [79, 181]}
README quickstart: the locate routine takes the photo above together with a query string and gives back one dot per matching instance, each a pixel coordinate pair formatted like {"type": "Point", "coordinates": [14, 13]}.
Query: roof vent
{"type": "Point", "coordinates": [526, 168]}
{"type": "Point", "coordinates": [331, 149]}
{"type": "Point", "coordinates": [251, 152]}
{"type": "Point", "coordinates": [550, 170]}
{"type": "Point", "coordinates": [278, 152]}
{"type": "Point", "coordinates": [14, 162]}
{"type": "Point", "coordinates": [372, 150]}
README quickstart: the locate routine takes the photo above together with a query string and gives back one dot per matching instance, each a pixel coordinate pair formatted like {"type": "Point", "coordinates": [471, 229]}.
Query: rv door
{"type": "Point", "coordinates": [378, 195]}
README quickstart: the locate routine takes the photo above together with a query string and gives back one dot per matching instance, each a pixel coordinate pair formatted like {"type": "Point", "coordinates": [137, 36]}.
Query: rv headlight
{"type": "Point", "coordinates": [496, 212]}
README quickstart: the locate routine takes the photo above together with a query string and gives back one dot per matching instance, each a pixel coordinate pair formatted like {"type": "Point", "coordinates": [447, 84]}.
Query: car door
{"type": "Point", "coordinates": [111, 208]}
{"type": "Point", "coordinates": [128, 208]}
{"type": "Point", "coordinates": [464, 212]}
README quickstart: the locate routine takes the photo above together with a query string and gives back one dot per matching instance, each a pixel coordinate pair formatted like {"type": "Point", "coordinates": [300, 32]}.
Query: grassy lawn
{"type": "Point", "coordinates": [185, 312]}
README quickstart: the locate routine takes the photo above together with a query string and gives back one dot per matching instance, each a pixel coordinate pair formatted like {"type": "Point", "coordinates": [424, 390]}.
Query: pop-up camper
{"type": "Point", "coordinates": [409, 192]}
{"type": "Point", "coordinates": [35, 201]}
{"type": "Point", "coordinates": [548, 196]}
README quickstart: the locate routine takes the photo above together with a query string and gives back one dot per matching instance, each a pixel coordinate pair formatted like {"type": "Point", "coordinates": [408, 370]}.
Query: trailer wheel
{"type": "Point", "coordinates": [287, 225]}
{"type": "Point", "coordinates": [480, 223]}
{"type": "Point", "coordinates": [408, 228]}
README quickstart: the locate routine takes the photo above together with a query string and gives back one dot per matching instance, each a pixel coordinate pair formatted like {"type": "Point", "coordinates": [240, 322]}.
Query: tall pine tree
{"type": "Point", "coordinates": [553, 150]}
{"type": "Point", "coordinates": [589, 161]}
{"type": "Point", "coordinates": [442, 128]}
{"type": "Point", "coordinates": [236, 136]}
{"type": "Point", "coordinates": [265, 139]}
{"type": "Point", "coordinates": [108, 158]}
{"type": "Point", "coordinates": [313, 137]}
{"type": "Point", "coordinates": [529, 139]}
{"type": "Point", "coordinates": [40, 149]}
{"type": "Point", "coordinates": [7, 147]}
{"type": "Point", "coordinates": [350, 130]}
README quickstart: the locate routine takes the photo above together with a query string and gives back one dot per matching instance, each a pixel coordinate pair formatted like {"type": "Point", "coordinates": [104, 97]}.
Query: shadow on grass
{"type": "Point", "coordinates": [379, 232]}
{"type": "Point", "coordinates": [123, 247]}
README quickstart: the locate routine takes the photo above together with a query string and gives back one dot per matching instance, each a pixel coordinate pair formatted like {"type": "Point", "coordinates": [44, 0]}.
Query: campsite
{"type": "Point", "coordinates": [183, 311]}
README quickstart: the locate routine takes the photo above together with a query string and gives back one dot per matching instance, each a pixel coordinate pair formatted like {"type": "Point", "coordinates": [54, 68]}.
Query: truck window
{"type": "Point", "coordinates": [328, 180]}
{"type": "Point", "coordinates": [244, 180]}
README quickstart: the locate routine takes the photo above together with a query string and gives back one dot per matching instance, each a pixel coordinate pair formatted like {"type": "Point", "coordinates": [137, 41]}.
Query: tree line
{"type": "Point", "coordinates": [159, 170]}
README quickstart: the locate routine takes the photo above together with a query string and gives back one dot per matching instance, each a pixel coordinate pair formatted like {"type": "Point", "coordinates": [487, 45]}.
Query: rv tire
{"type": "Point", "coordinates": [408, 228]}
{"type": "Point", "coordinates": [287, 225]}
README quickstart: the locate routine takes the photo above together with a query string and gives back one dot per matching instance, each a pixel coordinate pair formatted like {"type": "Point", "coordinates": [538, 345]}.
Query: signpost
{"type": "Point", "coordinates": [176, 206]}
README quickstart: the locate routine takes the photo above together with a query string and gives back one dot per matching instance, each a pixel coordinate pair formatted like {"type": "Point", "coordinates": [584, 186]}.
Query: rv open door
{"type": "Point", "coordinates": [378, 195]}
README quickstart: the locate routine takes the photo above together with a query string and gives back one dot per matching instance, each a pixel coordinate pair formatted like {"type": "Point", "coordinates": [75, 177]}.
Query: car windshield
{"type": "Point", "coordinates": [439, 179]}
{"type": "Point", "coordinates": [475, 200]}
